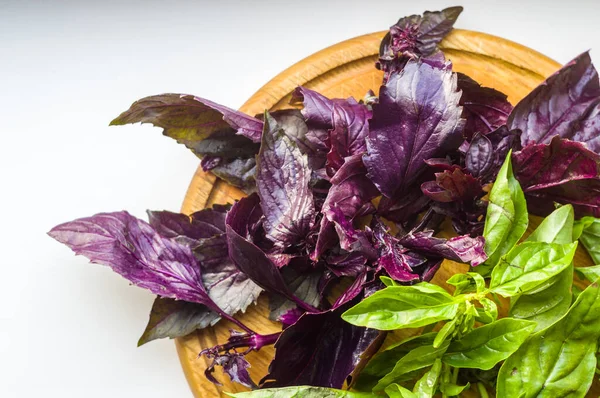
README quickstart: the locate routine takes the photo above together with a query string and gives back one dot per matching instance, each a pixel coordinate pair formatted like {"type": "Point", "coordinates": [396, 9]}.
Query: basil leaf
{"type": "Point", "coordinates": [592, 273]}
{"type": "Point", "coordinates": [301, 392]}
{"type": "Point", "coordinates": [469, 282]}
{"type": "Point", "coordinates": [590, 237]}
{"type": "Point", "coordinates": [558, 361]}
{"type": "Point", "coordinates": [419, 358]}
{"type": "Point", "coordinates": [452, 390]}
{"type": "Point", "coordinates": [384, 362]}
{"type": "Point", "coordinates": [506, 219]}
{"type": "Point", "coordinates": [556, 228]}
{"type": "Point", "coordinates": [489, 311]}
{"type": "Point", "coordinates": [397, 391]}
{"type": "Point", "coordinates": [427, 385]}
{"type": "Point", "coordinates": [386, 280]}
{"type": "Point", "coordinates": [549, 302]}
{"type": "Point", "coordinates": [484, 347]}
{"type": "Point", "coordinates": [444, 332]}
{"type": "Point", "coordinates": [398, 307]}
{"type": "Point", "coordinates": [528, 265]}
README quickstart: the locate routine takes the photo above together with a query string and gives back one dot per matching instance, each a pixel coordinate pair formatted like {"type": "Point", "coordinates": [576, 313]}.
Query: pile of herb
{"type": "Point", "coordinates": [349, 196]}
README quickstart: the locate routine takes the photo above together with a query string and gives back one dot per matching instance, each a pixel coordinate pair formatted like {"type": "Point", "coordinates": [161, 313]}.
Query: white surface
{"type": "Point", "coordinates": [68, 328]}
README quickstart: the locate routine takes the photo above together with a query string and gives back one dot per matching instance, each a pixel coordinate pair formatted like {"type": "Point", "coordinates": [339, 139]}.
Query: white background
{"type": "Point", "coordinates": [68, 328]}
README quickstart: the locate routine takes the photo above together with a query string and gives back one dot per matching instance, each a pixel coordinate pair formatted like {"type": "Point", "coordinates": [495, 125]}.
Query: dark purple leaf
{"type": "Point", "coordinates": [484, 108]}
{"type": "Point", "coordinates": [346, 264]}
{"type": "Point", "coordinates": [562, 171]}
{"type": "Point", "coordinates": [404, 207]}
{"type": "Point", "coordinates": [253, 262]}
{"type": "Point", "coordinates": [210, 162]}
{"type": "Point", "coordinates": [283, 177]}
{"type": "Point", "coordinates": [351, 192]}
{"type": "Point", "coordinates": [245, 216]}
{"type": "Point", "coordinates": [350, 128]}
{"type": "Point", "coordinates": [417, 118]}
{"type": "Point", "coordinates": [231, 289]}
{"type": "Point", "coordinates": [201, 224]}
{"type": "Point", "coordinates": [352, 291]}
{"type": "Point", "coordinates": [133, 249]}
{"type": "Point", "coordinates": [452, 186]}
{"type": "Point", "coordinates": [304, 284]}
{"type": "Point", "coordinates": [415, 36]}
{"type": "Point", "coordinates": [486, 153]}
{"type": "Point", "coordinates": [318, 350]}
{"type": "Point", "coordinates": [351, 239]}
{"type": "Point", "coordinates": [204, 127]}
{"type": "Point", "coordinates": [459, 248]}
{"type": "Point", "coordinates": [234, 365]}
{"type": "Point", "coordinates": [175, 318]}
{"type": "Point", "coordinates": [566, 104]}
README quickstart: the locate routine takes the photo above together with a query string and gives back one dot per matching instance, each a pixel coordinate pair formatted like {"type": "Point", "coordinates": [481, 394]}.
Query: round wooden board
{"type": "Point", "coordinates": [342, 70]}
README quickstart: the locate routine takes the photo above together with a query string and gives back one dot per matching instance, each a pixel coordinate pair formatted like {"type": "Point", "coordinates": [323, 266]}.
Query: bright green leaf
{"type": "Point", "coordinates": [592, 273]}
{"type": "Point", "coordinates": [383, 362]}
{"type": "Point", "coordinates": [427, 385]}
{"type": "Point", "coordinates": [418, 358]}
{"type": "Point", "coordinates": [452, 390]}
{"type": "Point", "coordinates": [590, 237]}
{"type": "Point", "coordinates": [399, 307]}
{"type": "Point", "coordinates": [386, 280]}
{"type": "Point", "coordinates": [529, 265]}
{"type": "Point", "coordinates": [397, 391]}
{"type": "Point", "coordinates": [560, 360]}
{"type": "Point", "coordinates": [489, 311]}
{"type": "Point", "coordinates": [556, 228]}
{"type": "Point", "coordinates": [506, 219]}
{"type": "Point", "coordinates": [444, 332]}
{"type": "Point", "coordinates": [484, 347]}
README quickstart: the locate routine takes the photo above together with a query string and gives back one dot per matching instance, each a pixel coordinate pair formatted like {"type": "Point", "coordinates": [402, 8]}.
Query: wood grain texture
{"type": "Point", "coordinates": [342, 70]}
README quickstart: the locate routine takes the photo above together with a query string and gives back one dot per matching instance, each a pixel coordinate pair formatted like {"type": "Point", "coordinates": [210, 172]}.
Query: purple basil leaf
{"type": "Point", "coordinates": [351, 239]}
{"type": "Point", "coordinates": [192, 121]}
{"type": "Point", "coordinates": [459, 248]}
{"type": "Point", "coordinates": [404, 207]}
{"type": "Point", "coordinates": [484, 108]}
{"type": "Point", "coordinates": [292, 122]}
{"type": "Point", "coordinates": [245, 216]}
{"type": "Point", "coordinates": [253, 262]}
{"type": "Point", "coordinates": [210, 162]}
{"type": "Point", "coordinates": [346, 264]}
{"type": "Point", "coordinates": [234, 365]}
{"type": "Point", "coordinates": [393, 257]}
{"type": "Point", "coordinates": [228, 287]}
{"type": "Point", "coordinates": [133, 249]}
{"type": "Point", "coordinates": [415, 36]}
{"type": "Point", "coordinates": [319, 350]}
{"type": "Point", "coordinates": [304, 285]}
{"type": "Point", "coordinates": [566, 104]}
{"type": "Point", "coordinates": [417, 118]}
{"type": "Point", "coordinates": [283, 177]}
{"type": "Point", "coordinates": [352, 291]}
{"type": "Point", "coordinates": [350, 128]}
{"type": "Point", "coordinates": [452, 186]}
{"type": "Point", "coordinates": [351, 192]}
{"type": "Point", "coordinates": [201, 224]}
{"type": "Point", "coordinates": [486, 153]}
{"type": "Point", "coordinates": [176, 318]}
{"type": "Point", "coordinates": [563, 171]}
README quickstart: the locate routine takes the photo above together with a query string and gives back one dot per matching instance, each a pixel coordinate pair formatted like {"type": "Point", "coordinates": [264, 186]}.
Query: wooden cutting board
{"type": "Point", "coordinates": [342, 70]}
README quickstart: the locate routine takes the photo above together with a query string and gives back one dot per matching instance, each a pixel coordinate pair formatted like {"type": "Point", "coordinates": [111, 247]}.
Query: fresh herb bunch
{"type": "Point", "coordinates": [348, 190]}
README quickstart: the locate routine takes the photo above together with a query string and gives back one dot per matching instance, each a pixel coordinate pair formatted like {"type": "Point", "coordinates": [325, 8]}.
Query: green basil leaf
{"type": "Point", "coordinates": [506, 219]}
{"type": "Point", "coordinates": [590, 237]}
{"type": "Point", "coordinates": [386, 280]}
{"type": "Point", "coordinates": [559, 361]}
{"type": "Point", "coordinates": [419, 358]}
{"type": "Point", "coordinates": [469, 282]}
{"type": "Point", "coordinates": [529, 265]}
{"type": "Point", "coordinates": [548, 305]}
{"type": "Point", "coordinates": [489, 311]}
{"type": "Point", "coordinates": [444, 332]}
{"type": "Point", "coordinates": [452, 390]}
{"type": "Point", "coordinates": [384, 362]}
{"type": "Point", "coordinates": [556, 228]}
{"type": "Point", "coordinates": [592, 273]}
{"type": "Point", "coordinates": [426, 386]}
{"type": "Point", "coordinates": [484, 347]}
{"type": "Point", "coordinates": [580, 225]}
{"type": "Point", "coordinates": [397, 391]}
{"type": "Point", "coordinates": [398, 307]}
{"type": "Point", "coordinates": [550, 301]}
{"type": "Point", "coordinates": [302, 392]}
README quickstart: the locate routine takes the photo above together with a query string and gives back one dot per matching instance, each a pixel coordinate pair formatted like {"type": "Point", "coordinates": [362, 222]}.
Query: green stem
{"type": "Point", "coordinates": [455, 375]}
{"type": "Point", "coordinates": [482, 390]}
{"type": "Point", "coordinates": [445, 377]}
